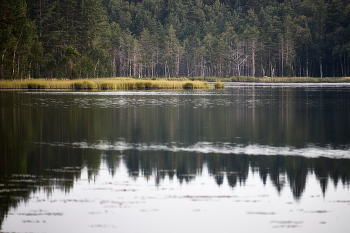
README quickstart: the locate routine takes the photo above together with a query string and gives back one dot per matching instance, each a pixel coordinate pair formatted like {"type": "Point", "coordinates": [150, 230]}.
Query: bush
{"type": "Point", "coordinates": [188, 86]}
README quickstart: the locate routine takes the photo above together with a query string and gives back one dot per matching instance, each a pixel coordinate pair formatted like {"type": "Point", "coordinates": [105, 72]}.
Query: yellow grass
{"type": "Point", "coordinates": [101, 84]}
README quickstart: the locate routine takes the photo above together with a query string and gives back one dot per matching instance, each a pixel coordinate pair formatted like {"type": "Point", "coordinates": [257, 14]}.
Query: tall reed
{"type": "Point", "coordinates": [101, 84]}
{"type": "Point", "coordinates": [291, 79]}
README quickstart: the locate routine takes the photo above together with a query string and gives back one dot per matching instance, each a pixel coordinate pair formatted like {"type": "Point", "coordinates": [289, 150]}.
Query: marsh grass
{"type": "Point", "coordinates": [219, 85]}
{"type": "Point", "coordinates": [291, 80]}
{"type": "Point", "coordinates": [101, 84]}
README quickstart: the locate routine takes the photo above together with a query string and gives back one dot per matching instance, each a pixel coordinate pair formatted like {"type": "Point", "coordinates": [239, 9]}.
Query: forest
{"type": "Point", "coordinates": [174, 38]}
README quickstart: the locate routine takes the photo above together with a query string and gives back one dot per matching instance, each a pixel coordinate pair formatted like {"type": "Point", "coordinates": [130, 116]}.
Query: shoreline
{"type": "Point", "coordinates": [196, 83]}
{"type": "Point", "coordinates": [240, 84]}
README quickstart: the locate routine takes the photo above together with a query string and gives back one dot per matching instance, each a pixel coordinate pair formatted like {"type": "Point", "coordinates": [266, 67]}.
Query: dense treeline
{"type": "Point", "coordinates": [147, 38]}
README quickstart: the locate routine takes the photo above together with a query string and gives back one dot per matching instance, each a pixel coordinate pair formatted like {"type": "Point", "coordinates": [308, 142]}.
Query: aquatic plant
{"type": "Point", "coordinates": [36, 86]}
{"type": "Point", "coordinates": [188, 86]}
{"type": "Point", "coordinates": [103, 84]}
{"type": "Point", "coordinates": [148, 85]}
{"type": "Point", "coordinates": [219, 85]}
{"type": "Point", "coordinates": [289, 79]}
{"type": "Point", "coordinates": [106, 86]}
{"type": "Point", "coordinates": [140, 85]}
{"type": "Point", "coordinates": [83, 85]}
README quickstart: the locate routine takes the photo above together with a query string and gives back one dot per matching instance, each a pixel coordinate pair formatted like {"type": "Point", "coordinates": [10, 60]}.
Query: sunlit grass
{"type": "Point", "coordinates": [102, 84]}
{"type": "Point", "coordinates": [143, 84]}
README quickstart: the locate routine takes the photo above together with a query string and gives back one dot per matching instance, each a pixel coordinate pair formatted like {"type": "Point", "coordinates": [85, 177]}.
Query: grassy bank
{"type": "Point", "coordinates": [292, 80]}
{"type": "Point", "coordinates": [141, 84]}
{"type": "Point", "coordinates": [277, 79]}
{"type": "Point", "coordinates": [286, 80]}
{"type": "Point", "coordinates": [103, 84]}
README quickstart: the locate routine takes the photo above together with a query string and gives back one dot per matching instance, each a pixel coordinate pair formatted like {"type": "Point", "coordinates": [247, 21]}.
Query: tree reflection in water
{"type": "Point", "coordinates": [47, 139]}
{"type": "Point", "coordinates": [49, 169]}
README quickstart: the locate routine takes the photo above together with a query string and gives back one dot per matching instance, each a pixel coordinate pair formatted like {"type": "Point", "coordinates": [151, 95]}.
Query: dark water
{"type": "Point", "coordinates": [264, 158]}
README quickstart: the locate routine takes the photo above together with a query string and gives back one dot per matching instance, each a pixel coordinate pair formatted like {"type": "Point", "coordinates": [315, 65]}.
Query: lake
{"type": "Point", "coordinates": [267, 158]}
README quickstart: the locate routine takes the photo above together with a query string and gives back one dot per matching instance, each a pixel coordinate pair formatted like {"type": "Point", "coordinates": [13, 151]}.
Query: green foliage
{"type": "Point", "coordinates": [188, 86]}
{"type": "Point", "coordinates": [153, 38]}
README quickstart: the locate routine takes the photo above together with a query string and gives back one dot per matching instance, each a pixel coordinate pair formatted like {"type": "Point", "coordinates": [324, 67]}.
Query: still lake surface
{"type": "Point", "coordinates": [266, 158]}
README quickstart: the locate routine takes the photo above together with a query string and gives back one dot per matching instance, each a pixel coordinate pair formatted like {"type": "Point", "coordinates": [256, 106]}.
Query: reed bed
{"type": "Point", "coordinates": [291, 80]}
{"type": "Point", "coordinates": [219, 85]}
{"type": "Point", "coordinates": [103, 84]}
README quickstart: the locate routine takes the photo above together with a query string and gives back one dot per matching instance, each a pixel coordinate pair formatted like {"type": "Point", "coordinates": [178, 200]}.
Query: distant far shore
{"type": "Point", "coordinates": [121, 83]}
{"type": "Point", "coordinates": [276, 79]}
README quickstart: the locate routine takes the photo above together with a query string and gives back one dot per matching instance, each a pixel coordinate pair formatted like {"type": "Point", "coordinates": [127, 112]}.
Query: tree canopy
{"type": "Point", "coordinates": [174, 38]}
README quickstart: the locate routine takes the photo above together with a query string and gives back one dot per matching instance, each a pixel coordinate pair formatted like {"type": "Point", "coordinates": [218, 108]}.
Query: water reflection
{"type": "Point", "coordinates": [282, 134]}
{"type": "Point", "coordinates": [59, 167]}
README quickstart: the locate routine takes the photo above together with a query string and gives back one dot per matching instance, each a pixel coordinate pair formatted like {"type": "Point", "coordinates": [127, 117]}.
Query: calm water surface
{"type": "Point", "coordinates": [267, 158]}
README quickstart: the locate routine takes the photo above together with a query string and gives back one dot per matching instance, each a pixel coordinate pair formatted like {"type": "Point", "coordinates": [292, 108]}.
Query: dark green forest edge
{"type": "Point", "coordinates": [77, 39]}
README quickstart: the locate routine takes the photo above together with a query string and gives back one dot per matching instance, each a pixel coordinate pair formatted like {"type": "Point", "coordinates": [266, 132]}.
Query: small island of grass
{"type": "Point", "coordinates": [104, 84]}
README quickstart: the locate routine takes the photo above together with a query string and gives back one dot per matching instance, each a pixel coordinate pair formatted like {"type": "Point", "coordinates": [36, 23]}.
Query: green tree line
{"type": "Point", "coordinates": [172, 38]}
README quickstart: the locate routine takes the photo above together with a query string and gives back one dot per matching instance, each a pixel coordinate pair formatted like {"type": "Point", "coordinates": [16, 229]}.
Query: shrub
{"type": "Point", "coordinates": [188, 86]}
